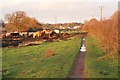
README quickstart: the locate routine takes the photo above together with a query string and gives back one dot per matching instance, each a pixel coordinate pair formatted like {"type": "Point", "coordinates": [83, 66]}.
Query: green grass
{"type": "Point", "coordinates": [72, 32]}
{"type": "Point", "coordinates": [57, 66]}
{"type": "Point", "coordinates": [94, 67]}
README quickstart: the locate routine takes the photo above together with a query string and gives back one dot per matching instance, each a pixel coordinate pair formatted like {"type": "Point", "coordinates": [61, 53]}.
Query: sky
{"type": "Point", "coordinates": [65, 11]}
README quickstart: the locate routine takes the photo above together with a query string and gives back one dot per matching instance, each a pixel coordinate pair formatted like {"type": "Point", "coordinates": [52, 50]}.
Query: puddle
{"type": "Point", "coordinates": [83, 48]}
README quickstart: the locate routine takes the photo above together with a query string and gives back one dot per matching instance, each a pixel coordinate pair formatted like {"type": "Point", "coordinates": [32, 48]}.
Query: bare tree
{"type": "Point", "coordinates": [15, 18]}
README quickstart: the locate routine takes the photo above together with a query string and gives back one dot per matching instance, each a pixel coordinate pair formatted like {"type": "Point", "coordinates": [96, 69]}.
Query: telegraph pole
{"type": "Point", "coordinates": [101, 7]}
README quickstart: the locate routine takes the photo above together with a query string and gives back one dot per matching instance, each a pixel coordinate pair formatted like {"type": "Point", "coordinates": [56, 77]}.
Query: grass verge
{"type": "Point", "coordinates": [107, 68]}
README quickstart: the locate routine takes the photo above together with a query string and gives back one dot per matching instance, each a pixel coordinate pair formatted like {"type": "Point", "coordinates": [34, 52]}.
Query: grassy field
{"type": "Point", "coordinates": [72, 32]}
{"type": "Point", "coordinates": [20, 65]}
{"type": "Point", "coordinates": [107, 68]}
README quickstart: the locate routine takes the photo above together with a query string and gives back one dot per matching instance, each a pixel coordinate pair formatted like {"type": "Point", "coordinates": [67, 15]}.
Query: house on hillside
{"type": "Point", "coordinates": [76, 27]}
{"type": "Point", "coordinates": [61, 27]}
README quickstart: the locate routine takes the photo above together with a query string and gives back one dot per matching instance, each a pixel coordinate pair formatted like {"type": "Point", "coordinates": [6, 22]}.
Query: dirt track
{"type": "Point", "coordinates": [78, 68]}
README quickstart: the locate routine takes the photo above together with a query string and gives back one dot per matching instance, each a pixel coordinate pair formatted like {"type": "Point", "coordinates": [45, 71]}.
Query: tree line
{"type": "Point", "coordinates": [106, 32]}
{"type": "Point", "coordinates": [19, 21]}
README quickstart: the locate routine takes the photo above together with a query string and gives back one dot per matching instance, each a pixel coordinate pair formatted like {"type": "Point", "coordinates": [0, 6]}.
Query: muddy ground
{"type": "Point", "coordinates": [18, 42]}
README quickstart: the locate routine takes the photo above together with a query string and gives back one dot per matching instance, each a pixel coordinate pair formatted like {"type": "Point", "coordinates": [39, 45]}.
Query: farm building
{"type": "Point", "coordinates": [76, 27]}
{"type": "Point", "coordinates": [57, 31]}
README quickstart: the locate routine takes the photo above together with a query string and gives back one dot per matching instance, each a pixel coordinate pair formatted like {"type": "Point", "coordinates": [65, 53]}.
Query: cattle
{"type": "Point", "coordinates": [24, 34]}
{"type": "Point", "coordinates": [54, 35]}
{"type": "Point", "coordinates": [15, 35]}
{"type": "Point", "coordinates": [48, 31]}
{"type": "Point", "coordinates": [38, 34]}
{"type": "Point", "coordinates": [46, 36]}
{"type": "Point", "coordinates": [8, 34]}
{"type": "Point", "coordinates": [30, 34]}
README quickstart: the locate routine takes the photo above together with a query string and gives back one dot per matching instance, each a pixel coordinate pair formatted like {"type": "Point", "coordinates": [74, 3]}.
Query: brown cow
{"type": "Point", "coordinates": [46, 36]}
{"type": "Point", "coordinates": [38, 34]}
{"type": "Point", "coordinates": [48, 31]}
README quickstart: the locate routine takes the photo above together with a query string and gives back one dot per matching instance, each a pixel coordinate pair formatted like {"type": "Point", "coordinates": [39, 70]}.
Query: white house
{"type": "Point", "coordinates": [61, 27]}
{"type": "Point", "coordinates": [75, 27]}
{"type": "Point", "coordinates": [68, 27]}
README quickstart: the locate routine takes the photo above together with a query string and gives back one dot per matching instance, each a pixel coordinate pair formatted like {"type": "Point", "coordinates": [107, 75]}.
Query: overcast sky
{"type": "Point", "coordinates": [65, 11]}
